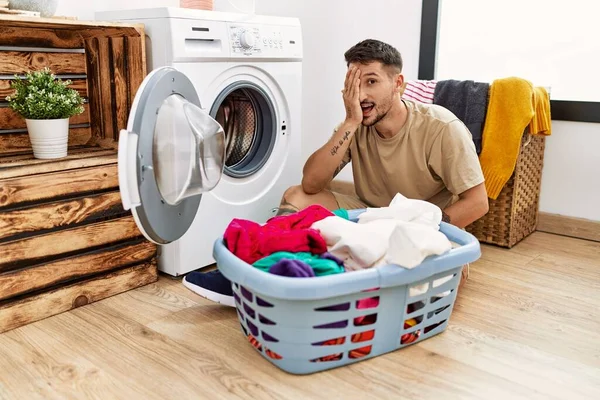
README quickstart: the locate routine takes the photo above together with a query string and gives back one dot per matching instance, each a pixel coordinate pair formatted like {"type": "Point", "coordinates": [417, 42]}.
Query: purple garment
{"type": "Point", "coordinates": [299, 269]}
{"type": "Point", "coordinates": [329, 256]}
{"type": "Point", "coordinates": [292, 268]}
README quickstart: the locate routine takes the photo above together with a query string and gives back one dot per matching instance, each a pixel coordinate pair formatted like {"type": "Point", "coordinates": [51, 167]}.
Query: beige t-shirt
{"type": "Point", "coordinates": [432, 158]}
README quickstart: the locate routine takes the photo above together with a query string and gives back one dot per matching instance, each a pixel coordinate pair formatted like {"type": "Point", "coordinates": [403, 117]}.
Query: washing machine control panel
{"type": "Point", "coordinates": [253, 40]}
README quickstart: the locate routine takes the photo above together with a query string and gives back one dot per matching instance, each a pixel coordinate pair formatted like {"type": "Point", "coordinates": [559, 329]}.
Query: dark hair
{"type": "Point", "coordinates": [374, 50]}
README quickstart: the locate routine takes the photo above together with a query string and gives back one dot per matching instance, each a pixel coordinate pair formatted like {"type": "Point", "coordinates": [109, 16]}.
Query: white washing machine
{"type": "Point", "coordinates": [243, 71]}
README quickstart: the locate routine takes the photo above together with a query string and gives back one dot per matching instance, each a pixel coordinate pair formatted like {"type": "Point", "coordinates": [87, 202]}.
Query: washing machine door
{"type": "Point", "coordinates": [171, 152]}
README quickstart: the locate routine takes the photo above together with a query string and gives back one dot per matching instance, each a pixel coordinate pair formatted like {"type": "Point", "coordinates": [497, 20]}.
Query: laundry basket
{"type": "Point", "coordinates": [305, 325]}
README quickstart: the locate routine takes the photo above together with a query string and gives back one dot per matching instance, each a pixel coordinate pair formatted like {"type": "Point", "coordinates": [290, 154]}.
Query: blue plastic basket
{"type": "Point", "coordinates": [305, 325]}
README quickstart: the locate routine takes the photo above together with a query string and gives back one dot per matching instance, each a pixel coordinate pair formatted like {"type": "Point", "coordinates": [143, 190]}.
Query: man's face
{"type": "Point", "coordinates": [377, 91]}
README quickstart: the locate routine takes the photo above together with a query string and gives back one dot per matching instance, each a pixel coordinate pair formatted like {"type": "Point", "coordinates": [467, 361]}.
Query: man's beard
{"type": "Point", "coordinates": [378, 116]}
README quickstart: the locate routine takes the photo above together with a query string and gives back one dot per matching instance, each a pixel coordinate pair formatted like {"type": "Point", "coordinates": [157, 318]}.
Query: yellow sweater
{"type": "Point", "coordinates": [510, 110]}
{"type": "Point", "coordinates": [541, 123]}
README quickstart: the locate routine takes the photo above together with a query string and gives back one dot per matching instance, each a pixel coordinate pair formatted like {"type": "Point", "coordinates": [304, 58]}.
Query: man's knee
{"type": "Point", "coordinates": [293, 200]}
{"type": "Point", "coordinates": [295, 196]}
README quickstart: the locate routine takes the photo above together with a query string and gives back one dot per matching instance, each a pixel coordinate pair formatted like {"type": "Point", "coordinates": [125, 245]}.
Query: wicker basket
{"type": "Point", "coordinates": [514, 214]}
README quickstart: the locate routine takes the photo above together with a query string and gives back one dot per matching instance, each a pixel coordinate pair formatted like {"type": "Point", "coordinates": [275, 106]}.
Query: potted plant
{"type": "Point", "coordinates": [46, 103]}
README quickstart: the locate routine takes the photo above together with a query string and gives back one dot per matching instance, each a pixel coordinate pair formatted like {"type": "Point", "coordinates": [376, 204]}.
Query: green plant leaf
{"type": "Point", "coordinates": [40, 95]}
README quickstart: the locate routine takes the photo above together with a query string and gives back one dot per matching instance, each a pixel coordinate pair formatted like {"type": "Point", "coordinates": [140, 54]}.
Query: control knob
{"type": "Point", "coordinates": [247, 39]}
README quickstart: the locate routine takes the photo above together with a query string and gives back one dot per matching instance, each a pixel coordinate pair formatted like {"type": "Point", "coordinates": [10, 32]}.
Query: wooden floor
{"type": "Point", "coordinates": [526, 325]}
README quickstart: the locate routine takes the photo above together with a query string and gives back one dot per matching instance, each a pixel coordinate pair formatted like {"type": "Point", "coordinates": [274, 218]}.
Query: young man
{"type": "Point", "coordinates": [422, 151]}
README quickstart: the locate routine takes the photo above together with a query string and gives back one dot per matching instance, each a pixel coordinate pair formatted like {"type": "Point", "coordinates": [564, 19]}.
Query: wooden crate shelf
{"type": "Point", "coordinates": [24, 310]}
{"type": "Point", "coordinates": [105, 62]}
{"type": "Point", "coordinates": [64, 233]}
{"type": "Point", "coordinates": [65, 239]}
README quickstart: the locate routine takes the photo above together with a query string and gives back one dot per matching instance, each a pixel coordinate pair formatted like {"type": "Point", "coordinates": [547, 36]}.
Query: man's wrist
{"type": "Point", "coordinates": [351, 125]}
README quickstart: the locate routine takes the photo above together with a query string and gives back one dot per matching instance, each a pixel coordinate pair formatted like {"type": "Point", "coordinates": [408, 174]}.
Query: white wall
{"type": "Point", "coordinates": [570, 178]}
{"type": "Point", "coordinates": [85, 9]}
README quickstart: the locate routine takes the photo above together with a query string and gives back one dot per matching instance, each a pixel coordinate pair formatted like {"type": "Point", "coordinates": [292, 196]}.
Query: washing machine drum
{"type": "Point", "coordinates": [247, 116]}
{"type": "Point", "coordinates": [171, 152]}
{"type": "Point", "coordinates": [238, 117]}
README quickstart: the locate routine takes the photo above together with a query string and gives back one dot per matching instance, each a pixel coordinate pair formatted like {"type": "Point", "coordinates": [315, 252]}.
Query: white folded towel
{"type": "Point", "coordinates": [410, 243]}
{"type": "Point", "coordinates": [357, 245]}
{"type": "Point", "coordinates": [380, 241]}
{"type": "Point", "coordinates": [405, 210]}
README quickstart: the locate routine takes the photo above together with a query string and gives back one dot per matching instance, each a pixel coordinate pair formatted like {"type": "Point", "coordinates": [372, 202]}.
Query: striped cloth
{"type": "Point", "coordinates": [419, 91]}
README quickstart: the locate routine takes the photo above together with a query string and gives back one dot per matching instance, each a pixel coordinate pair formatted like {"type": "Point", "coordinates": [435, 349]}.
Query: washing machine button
{"type": "Point", "coordinates": [247, 39]}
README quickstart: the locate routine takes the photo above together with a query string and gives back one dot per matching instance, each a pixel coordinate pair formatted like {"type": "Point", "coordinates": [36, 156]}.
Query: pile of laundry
{"type": "Point", "coordinates": [317, 242]}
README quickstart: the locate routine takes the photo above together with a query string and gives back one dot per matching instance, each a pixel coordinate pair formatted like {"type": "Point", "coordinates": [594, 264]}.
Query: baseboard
{"type": "Point", "coordinates": [569, 226]}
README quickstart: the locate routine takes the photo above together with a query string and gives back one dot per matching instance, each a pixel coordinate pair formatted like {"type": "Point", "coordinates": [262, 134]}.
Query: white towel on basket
{"type": "Point", "coordinates": [405, 233]}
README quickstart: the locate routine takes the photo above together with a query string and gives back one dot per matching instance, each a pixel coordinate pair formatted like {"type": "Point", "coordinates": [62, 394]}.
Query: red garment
{"type": "Point", "coordinates": [250, 241]}
{"type": "Point", "coordinates": [258, 347]}
{"type": "Point", "coordinates": [302, 219]}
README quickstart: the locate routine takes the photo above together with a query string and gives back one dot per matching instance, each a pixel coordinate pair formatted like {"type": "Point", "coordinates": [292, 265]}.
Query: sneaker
{"type": "Point", "coordinates": [210, 285]}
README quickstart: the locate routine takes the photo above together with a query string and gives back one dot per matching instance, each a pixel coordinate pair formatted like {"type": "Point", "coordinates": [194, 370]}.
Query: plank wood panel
{"type": "Point", "coordinates": [142, 347]}
{"type": "Point", "coordinates": [28, 221]}
{"type": "Point", "coordinates": [117, 66]}
{"type": "Point", "coordinates": [136, 65]}
{"type": "Point", "coordinates": [220, 330]}
{"type": "Point", "coordinates": [26, 157]}
{"type": "Point", "coordinates": [37, 249]}
{"type": "Point", "coordinates": [13, 34]}
{"type": "Point", "coordinates": [545, 243]}
{"type": "Point", "coordinates": [95, 99]}
{"type": "Point", "coordinates": [60, 359]}
{"type": "Point", "coordinates": [85, 29]}
{"type": "Point", "coordinates": [20, 62]}
{"type": "Point", "coordinates": [105, 88]}
{"type": "Point", "coordinates": [152, 302]}
{"type": "Point", "coordinates": [121, 97]}
{"type": "Point", "coordinates": [79, 157]}
{"type": "Point", "coordinates": [10, 119]}
{"type": "Point", "coordinates": [57, 184]}
{"type": "Point", "coordinates": [10, 142]}
{"type": "Point", "coordinates": [532, 312]}
{"type": "Point", "coordinates": [41, 276]}
{"type": "Point", "coordinates": [526, 370]}
{"type": "Point", "coordinates": [30, 309]}
{"type": "Point", "coordinates": [79, 84]}
{"type": "Point", "coordinates": [569, 226]}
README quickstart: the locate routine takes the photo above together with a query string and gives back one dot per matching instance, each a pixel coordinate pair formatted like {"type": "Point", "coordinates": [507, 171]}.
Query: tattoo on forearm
{"type": "Point", "coordinates": [339, 168]}
{"type": "Point", "coordinates": [286, 208]}
{"type": "Point", "coordinates": [285, 211]}
{"type": "Point", "coordinates": [336, 147]}
{"type": "Point", "coordinates": [445, 217]}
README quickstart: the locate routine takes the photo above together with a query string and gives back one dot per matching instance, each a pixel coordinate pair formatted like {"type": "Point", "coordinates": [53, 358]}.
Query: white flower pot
{"type": "Point", "coordinates": [49, 137]}
{"type": "Point", "coordinates": [46, 8]}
